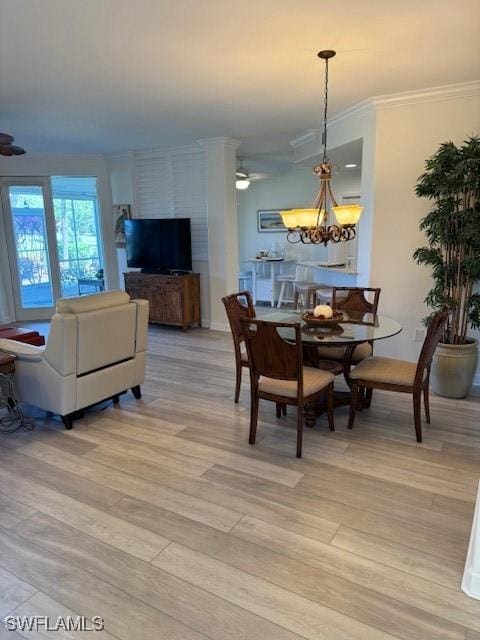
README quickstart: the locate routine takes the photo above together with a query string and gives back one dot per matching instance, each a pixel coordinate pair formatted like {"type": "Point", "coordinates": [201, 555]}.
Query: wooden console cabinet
{"type": "Point", "coordinates": [174, 300]}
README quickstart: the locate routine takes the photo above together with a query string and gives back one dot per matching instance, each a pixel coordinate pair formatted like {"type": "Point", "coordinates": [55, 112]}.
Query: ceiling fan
{"type": "Point", "coordinates": [245, 177]}
{"type": "Point", "coordinates": [7, 148]}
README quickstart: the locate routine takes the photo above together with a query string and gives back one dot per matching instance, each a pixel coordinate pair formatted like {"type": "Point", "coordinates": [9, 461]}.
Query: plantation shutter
{"type": "Point", "coordinates": [172, 184]}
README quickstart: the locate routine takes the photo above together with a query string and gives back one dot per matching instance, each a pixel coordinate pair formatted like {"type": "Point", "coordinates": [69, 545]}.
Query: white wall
{"type": "Point", "coordinates": [121, 184]}
{"type": "Point", "coordinates": [31, 165]}
{"type": "Point", "coordinates": [296, 188]}
{"type": "Point", "coordinates": [406, 135]}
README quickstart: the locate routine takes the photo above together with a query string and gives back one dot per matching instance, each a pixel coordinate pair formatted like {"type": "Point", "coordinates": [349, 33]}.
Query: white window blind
{"type": "Point", "coordinates": [171, 183]}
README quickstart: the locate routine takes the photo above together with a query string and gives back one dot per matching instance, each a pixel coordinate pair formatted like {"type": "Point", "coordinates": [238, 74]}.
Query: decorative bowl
{"type": "Point", "coordinates": [311, 321]}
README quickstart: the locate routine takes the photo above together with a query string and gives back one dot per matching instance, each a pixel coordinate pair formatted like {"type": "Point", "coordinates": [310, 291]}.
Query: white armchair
{"type": "Point", "coordinates": [96, 349]}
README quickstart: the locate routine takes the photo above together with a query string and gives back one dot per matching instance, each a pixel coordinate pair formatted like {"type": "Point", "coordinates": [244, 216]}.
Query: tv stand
{"type": "Point", "coordinates": [158, 271]}
{"type": "Point", "coordinates": [174, 299]}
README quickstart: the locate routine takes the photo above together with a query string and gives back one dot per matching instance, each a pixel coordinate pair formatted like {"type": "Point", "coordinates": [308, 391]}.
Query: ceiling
{"type": "Point", "coordinates": [106, 76]}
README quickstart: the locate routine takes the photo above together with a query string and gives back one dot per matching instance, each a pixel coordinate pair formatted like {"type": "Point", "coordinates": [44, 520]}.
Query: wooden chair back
{"type": "Point", "coordinates": [271, 355]}
{"type": "Point", "coordinates": [238, 305]}
{"type": "Point", "coordinates": [356, 300]}
{"type": "Point", "coordinates": [434, 333]}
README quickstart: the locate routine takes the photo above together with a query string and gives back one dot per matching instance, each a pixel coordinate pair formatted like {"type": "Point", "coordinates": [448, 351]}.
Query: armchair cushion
{"type": "Point", "coordinates": [314, 380]}
{"type": "Point", "coordinates": [105, 337]}
{"type": "Point", "coordinates": [385, 370]}
{"type": "Point", "coordinates": [93, 302]}
{"type": "Point", "coordinates": [21, 349]}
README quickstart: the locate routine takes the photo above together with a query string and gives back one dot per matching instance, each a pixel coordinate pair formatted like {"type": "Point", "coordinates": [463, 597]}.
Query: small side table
{"type": "Point", "coordinates": [14, 418]}
{"type": "Point", "coordinates": [97, 284]}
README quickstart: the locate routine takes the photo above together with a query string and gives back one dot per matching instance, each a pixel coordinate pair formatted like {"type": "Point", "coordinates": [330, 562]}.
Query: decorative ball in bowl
{"type": "Point", "coordinates": [322, 316]}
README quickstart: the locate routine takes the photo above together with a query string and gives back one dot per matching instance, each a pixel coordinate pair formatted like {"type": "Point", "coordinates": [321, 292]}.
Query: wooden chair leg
{"type": "Point", "coordinates": [278, 408]}
{"type": "Point", "coordinates": [299, 430]}
{"type": "Point", "coordinates": [360, 398]}
{"type": "Point", "coordinates": [238, 381]}
{"type": "Point", "coordinates": [331, 423]}
{"type": "Point", "coordinates": [417, 414]}
{"type": "Point", "coordinates": [284, 409]}
{"type": "Point", "coordinates": [368, 397]}
{"type": "Point", "coordinates": [353, 405]}
{"type": "Point", "coordinates": [253, 418]}
{"type": "Point", "coordinates": [426, 402]}
{"type": "Point", "coordinates": [295, 299]}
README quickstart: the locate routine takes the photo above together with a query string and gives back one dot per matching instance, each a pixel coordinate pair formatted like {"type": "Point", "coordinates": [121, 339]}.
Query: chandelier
{"type": "Point", "coordinates": [311, 226]}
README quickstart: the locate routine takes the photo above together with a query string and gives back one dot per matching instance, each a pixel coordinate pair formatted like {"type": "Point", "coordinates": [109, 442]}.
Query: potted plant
{"type": "Point", "coordinates": [452, 181]}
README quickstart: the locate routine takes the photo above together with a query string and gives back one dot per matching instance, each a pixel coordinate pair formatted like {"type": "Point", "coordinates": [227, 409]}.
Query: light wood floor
{"type": "Point", "coordinates": [159, 517]}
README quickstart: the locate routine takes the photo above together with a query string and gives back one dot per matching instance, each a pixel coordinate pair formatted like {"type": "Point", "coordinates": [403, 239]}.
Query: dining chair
{"type": "Point", "coordinates": [391, 374]}
{"type": "Point", "coordinates": [277, 373]}
{"type": "Point", "coordinates": [239, 305]}
{"type": "Point", "coordinates": [352, 299]}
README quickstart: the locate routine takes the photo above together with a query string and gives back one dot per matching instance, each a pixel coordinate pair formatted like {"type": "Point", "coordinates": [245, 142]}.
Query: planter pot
{"type": "Point", "coordinates": [453, 368]}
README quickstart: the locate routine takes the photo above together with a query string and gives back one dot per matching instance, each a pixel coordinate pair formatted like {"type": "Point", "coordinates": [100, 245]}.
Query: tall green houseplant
{"type": "Point", "coordinates": [452, 183]}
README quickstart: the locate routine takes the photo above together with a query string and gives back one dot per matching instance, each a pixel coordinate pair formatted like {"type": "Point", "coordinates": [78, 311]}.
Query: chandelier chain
{"type": "Point", "coordinates": [325, 110]}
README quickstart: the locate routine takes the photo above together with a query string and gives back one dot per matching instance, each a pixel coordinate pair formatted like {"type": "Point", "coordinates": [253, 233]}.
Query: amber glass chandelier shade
{"type": "Point", "coordinates": [348, 214]}
{"type": "Point", "coordinates": [303, 218]}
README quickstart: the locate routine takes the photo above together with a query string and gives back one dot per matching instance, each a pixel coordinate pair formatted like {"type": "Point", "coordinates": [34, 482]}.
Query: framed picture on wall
{"type": "Point", "coordinates": [270, 221]}
{"type": "Point", "coordinates": [121, 212]}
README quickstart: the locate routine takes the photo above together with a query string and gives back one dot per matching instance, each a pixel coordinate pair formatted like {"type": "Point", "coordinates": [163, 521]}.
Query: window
{"type": "Point", "coordinates": [78, 236]}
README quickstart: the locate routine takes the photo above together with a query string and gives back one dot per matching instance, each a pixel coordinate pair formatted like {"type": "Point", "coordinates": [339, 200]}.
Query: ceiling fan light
{"type": "Point", "coordinates": [348, 214]}
{"type": "Point", "coordinates": [242, 184]}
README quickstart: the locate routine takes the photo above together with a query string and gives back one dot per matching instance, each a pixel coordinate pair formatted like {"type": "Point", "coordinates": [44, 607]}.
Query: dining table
{"type": "Point", "coordinates": [355, 328]}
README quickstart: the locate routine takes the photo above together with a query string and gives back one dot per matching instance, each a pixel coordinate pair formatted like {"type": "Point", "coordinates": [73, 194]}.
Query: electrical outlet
{"type": "Point", "coordinates": [419, 335]}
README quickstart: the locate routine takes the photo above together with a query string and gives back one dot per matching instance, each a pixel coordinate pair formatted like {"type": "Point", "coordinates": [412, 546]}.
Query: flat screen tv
{"type": "Point", "coordinates": [159, 245]}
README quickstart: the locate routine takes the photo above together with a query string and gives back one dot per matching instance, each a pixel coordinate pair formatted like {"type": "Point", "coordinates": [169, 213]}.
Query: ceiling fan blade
{"type": "Point", "coordinates": [17, 151]}
{"type": "Point", "coordinates": [6, 139]}
{"type": "Point", "coordinates": [11, 150]}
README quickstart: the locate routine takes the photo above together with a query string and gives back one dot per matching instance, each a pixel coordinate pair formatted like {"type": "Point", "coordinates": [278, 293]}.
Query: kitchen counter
{"type": "Point", "coordinates": [314, 265]}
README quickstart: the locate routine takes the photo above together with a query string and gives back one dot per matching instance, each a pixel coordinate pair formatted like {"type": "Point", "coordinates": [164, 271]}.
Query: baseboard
{"type": "Point", "coordinates": [205, 323]}
{"type": "Point", "coordinates": [471, 575]}
{"type": "Point", "coordinates": [219, 326]}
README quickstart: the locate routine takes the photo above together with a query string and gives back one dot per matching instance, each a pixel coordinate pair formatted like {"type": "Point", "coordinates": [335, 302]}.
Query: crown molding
{"type": "Point", "coordinates": [431, 94]}
{"type": "Point", "coordinates": [370, 105]}
{"type": "Point", "coordinates": [165, 151]}
{"type": "Point", "coordinates": [225, 141]}
{"type": "Point", "coordinates": [305, 138]}
{"type": "Point", "coordinates": [121, 155]}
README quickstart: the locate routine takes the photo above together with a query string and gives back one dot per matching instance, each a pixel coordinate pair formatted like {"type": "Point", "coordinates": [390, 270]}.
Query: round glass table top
{"type": "Point", "coordinates": [354, 329]}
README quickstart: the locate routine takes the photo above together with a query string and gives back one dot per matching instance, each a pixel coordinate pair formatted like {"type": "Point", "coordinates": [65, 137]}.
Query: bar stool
{"type": "Point", "coordinates": [289, 283]}
{"type": "Point", "coordinates": [245, 281]}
